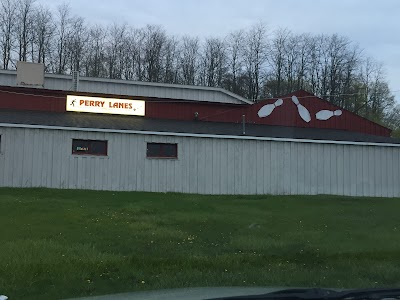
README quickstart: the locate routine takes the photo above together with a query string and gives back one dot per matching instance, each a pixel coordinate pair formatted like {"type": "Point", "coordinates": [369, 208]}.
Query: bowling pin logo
{"type": "Point", "coordinates": [266, 110]}
{"type": "Point", "coordinates": [303, 112]}
{"type": "Point", "coordinates": [324, 115]}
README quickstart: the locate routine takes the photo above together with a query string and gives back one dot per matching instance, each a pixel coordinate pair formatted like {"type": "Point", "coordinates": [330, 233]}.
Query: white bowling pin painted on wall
{"type": "Point", "coordinates": [267, 109]}
{"type": "Point", "coordinates": [303, 112]}
{"type": "Point", "coordinates": [325, 114]}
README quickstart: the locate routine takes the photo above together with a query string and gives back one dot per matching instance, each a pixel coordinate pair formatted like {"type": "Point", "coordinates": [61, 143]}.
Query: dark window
{"type": "Point", "coordinates": [89, 147]}
{"type": "Point", "coordinates": [162, 150]}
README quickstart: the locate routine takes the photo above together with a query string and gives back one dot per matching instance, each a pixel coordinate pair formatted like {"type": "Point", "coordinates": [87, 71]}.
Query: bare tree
{"type": "Point", "coordinates": [213, 64]}
{"type": "Point", "coordinates": [24, 26]}
{"type": "Point", "coordinates": [42, 35]}
{"type": "Point", "coordinates": [7, 25]}
{"type": "Point", "coordinates": [350, 83]}
{"type": "Point", "coordinates": [63, 27]}
{"type": "Point", "coordinates": [392, 119]}
{"type": "Point", "coordinates": [189, 59]}
{"type": "Point", "coordinates": [171, 60]}
{"type": "Point", "coordinates": [132, 54]}
{"type": "Point", "coordinates": [76, 42]}
{"type": "Point", "coordinates": [234, 52]}
{"type": "Point", "coordinates": [276, 60]}
{"type": "Point", "coordinates": [114, 50]}
{"type": "Point", "coordinates": [94, 60]}
{"type": "Point", "coordinates": [154, 42]}
{"type": "Point", "coordinates": [255, 54]}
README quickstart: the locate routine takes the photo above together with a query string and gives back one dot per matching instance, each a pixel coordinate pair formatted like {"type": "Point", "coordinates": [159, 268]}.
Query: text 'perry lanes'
{"type": "Point", "coordinates": [93, 103]}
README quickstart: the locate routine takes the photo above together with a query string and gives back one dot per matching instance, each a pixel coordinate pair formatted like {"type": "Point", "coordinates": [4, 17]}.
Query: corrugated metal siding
{"type": "Point", "coordinates": [130, 88]}
{"type": "Point", "coordinates": [168, 92]}
{"type": "Point", "coordinates": [8, 78]}
{"type": "Point", "coordinates": [42, 158]}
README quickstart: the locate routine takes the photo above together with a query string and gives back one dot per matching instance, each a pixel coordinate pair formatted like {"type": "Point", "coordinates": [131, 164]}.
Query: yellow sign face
{"type": "Point", "coordinates": [105, 105]}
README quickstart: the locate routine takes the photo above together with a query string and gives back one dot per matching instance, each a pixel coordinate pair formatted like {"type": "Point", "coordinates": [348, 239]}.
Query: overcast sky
{"type": "Point", "coordinates": [373, 24]}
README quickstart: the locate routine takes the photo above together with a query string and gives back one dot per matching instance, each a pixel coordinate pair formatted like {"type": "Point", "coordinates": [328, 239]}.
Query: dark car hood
{"type": "Point", "coordinates": [187, 293]}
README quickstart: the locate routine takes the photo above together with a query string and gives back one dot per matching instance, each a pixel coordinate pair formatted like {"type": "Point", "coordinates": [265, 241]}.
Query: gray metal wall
{"type": "Point", "coordinates": [42, 158]}
{"type": "Point", "coordinates": [131, 88]}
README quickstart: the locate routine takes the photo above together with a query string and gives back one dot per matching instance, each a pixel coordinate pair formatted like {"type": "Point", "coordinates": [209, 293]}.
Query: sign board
{"type": "Point", "coordinates": [105, 105]}
{"type": "Point", "coordinates": [30, 74]}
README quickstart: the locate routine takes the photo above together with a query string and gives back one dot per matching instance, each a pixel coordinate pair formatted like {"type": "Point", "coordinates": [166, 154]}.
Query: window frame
{"type": "Point", "coordinates": [161, 155]}
{"type": "Point", "coordinates": [105, 154]}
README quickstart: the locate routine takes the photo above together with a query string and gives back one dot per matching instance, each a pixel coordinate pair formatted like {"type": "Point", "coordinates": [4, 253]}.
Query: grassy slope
{"type": "Point", "coordinates": [57, 243]}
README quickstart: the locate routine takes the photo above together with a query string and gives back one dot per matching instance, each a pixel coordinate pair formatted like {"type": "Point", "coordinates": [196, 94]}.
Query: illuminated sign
{"type": "Point", "coordinates": [105, 105]}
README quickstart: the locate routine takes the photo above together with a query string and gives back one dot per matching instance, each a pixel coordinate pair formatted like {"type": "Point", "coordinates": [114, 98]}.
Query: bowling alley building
{"type": "Point", "coordinates": [71, 132]}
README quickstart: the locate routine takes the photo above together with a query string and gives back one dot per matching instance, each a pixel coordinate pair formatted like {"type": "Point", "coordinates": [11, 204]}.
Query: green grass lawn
{"type": "Point", "coordinates": [60, 244]}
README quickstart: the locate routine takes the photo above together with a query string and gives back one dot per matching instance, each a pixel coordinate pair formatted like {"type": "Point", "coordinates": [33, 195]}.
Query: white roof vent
{"type": "Point", "coordinates": [30, 74]}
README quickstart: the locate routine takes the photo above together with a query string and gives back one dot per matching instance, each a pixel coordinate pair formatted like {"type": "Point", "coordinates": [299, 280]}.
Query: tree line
{"type": "Point", "coordinates": [255, 63]}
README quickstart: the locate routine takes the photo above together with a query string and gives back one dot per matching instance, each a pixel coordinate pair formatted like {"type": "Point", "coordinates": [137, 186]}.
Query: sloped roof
{"type": "Point", "coordinates": [287, 114]}
{"type": "Point", "coordinates": [132, 88]}
{"type": "Point", "coordinates": [118, 122]}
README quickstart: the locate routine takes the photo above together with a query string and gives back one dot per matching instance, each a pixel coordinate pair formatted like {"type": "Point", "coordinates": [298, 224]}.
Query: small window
{"type": "Point", "coordinates": [162, 150]}
{"type": "Point", "coordinates": [89, 147]}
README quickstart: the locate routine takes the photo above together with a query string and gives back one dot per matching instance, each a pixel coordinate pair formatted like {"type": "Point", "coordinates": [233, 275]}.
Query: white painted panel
{"type": "Point", "coordinates": [190, 170]}
{"type": "Point", "coordinates": [224, 163]}
{"type": "Point", "coordinates": [396, 172]}
{"type": "Point", "coordinates": [211, 157]}
{"type": "Point", "coordinates": [40, 157]}
{"type": "Point", "coordinates": [267, 167]}
{"type": "Point", "coordinates": [359, 171]}
{"type": "Point", "coordinates": [339, 169]}
{"type": "Point", "coordinates": [250, 167]}
{"type": "Point", "coordinates": [378, 172]}
{"type": "Point", "coordinates": [365, 172]}
{"type": "Point", "coordinates": [7, 146]}
{"type": "Point", "coordinates": [326, 169]}
{"type": "Point", "coordinates": [174, 167]}
{"type": "Point", "coordinates": [320, 169]}
{"type": "Point", "coordinates": [131, 163]}
{"type": "Point", "coordinates": [390, 182]}
{"type": "Point", "coordinates": [18, 159]}
{"type": "Point", "coordinates": [243, 159]}
{"type": "Point", "coordinates": [2, 157]}
{"type": "Point", "coordinates": [279, 174]}
{"type": "Point", "coordinates": [203, 166]}
{"type": "Point", "coordinates": [333, 175]}
{"type": "Point", "coordinates": [385, 168]}
{"type": "Point", "coordinates": [353, 171]}
{"type": "Point", "coordinates": [313, 170]}
{"type": "Point", "coordinates": [230, 175]}
{"type": "Point", "coordinates": [38, 163]}
{"type": "Point", "coordinates": [294, 168]}
{"type": "Point", "coordinates": [259, 154]}
{"type": "Point", "coordinates": [215, 167]}
{"type": "Point", "coordinates": [301, 166]}
{"type": "Point", "coordinates": [237, 162]}
{"type": "Point", "coordinates": [306, 149]}
{"type": "Point", "coordinates": [287, 170]}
